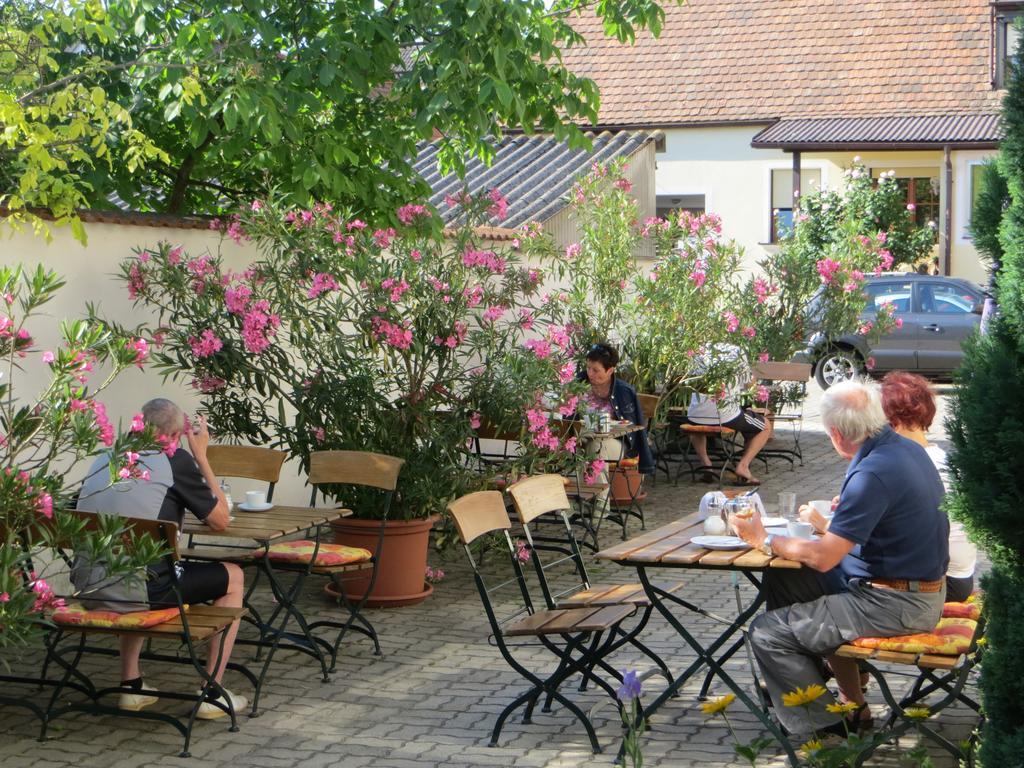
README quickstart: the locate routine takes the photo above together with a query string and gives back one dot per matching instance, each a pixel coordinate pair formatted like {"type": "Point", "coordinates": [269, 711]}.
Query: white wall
{"type": "Point", "coordinates": [90, 272]}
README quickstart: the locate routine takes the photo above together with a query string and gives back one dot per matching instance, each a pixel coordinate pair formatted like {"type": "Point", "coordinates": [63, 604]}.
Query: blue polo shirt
{"type": "Point", "coordinates": [889, 508]}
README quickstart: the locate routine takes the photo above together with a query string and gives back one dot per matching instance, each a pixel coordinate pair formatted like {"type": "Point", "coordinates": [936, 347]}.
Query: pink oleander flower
{"type": "Point", "coordinates": [624, 185]}
{"type": "Point", "coordinates": [882, 237]}
{"type": "Point", "coordinates": [383, 237]}
{"type": "Point", "coordinates": [208, 384]}
{"type": "Point", "coordinates": [566, 373]}
{"type": "Point", "coordinates": [206, 344]}
{"type": "Point", "coordinates": [415, 255]}
{"type": "Point", "coordinates": [138, 423]}
{"type": "Point", "coordinates": [522, 551]}
{"type": "Point", "coordinates": [539, 347]}
{"type": "Point", "coordinates": [525, 319]}
{"type": "Point", "coordinates": [593, 471]}
{"type": "Point", "coordinates": [763, 357]}
{"type": "Point", "coordinates": [474, 420]}
{"type": "Point", "coordinates": [236, 232]}
{"type": "Point", "coordinates": [749, 332]}
{"type": "Point", "coordinates": [761, 290]}
{"type": "Point", "coordinates": [732, 323]}
{"type": "Point", "coordinates": [493, 313]}
{"type": "Point", "coordinates": [141, 349]}
{"type": "Point", "coordinates": [318, 433]}
{"type": "Point", "coordinates": [570, 445]}
{"type": "Point", "coordinates": [568, 408]}
{"type": "Point", "coordinates": [884, 259]}
{"type": "Point", "coordinates": [106, 429]}
{"type": "Point", "coordinates": [256, 206]}
{"type": "Point", "coordinates": [698, 277]}
{"type": "Point", "coordinates": [407, 214]}
{"type": "Point", "coordinates": [237, 299]}
{"type": "Point", "coordinates": [865, 329]}
{"type": "Point", "coordinates": [355, 224]}
{"type": "Point", "coordinates": [762, 394]}
{"type": "Point", "coordinates": [499, 205]}
{"type": "Point", "coordinates": [5, 597]}
{"type": "Point", "coordinates": [48, 357]}
{"type": "Point", "coordinates": [572, 250]}
{"type": "Point", "coordinates": [397, 287]}
{"type": "Point", "coordinates": [911, 207]}
{"type": "Point", "coordinates": [827, 268]}
{"type": "Point", "coordinates": [473, 295]}
{"type": "Point", "coordinates": [44, 505]}
{"type": "Point", "coordinates": [174, 255]}
{"type": "Point", "coordinates": [898, 322]}
{"type": "Point", "coordinates": [259, 326]}
{"type": "Point", "coordinates": [536, 419]}
{"type": "Point", "coordinates": [486, 259]}
{"type": "Point", "coordinates": [136, 281]}
{"type": "Point", "coordinates": [559, 336]}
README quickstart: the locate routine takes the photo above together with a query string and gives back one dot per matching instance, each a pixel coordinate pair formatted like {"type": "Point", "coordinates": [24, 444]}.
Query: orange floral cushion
{"type": "Point", "coordinates": [951, 637]}
{"type": "Point", "coordinates": [971, 610]}
{"type": "Point", "coordinates": [328, 554]}
{"type": "Point", "coordinates": [77, 615]}
{"type": "Point", "coordinates": [628, 462]}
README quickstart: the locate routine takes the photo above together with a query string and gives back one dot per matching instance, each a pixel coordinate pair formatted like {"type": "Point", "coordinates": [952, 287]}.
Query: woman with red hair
{"type": "Point", "coordinates": [909, 405]}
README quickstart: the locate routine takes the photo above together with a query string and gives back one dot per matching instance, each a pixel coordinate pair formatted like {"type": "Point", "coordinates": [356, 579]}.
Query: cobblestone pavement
{"type": "Point", "coordinates": [434, 695]}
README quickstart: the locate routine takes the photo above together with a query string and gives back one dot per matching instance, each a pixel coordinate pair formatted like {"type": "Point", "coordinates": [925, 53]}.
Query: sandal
{"type": "Point", "coordinates": [707, 473]}
{"type": "Point", "coordinates": [742, 480]}
{"type": "Point", "coordinates": [854, 722]}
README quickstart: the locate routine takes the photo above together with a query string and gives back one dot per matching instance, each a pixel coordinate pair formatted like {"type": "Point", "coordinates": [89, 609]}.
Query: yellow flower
{"type": "Point", "coordinates": [842, 709]}
{"type": "Point", "coordinates": [718, 705]}
{"type": "Point", "coordinates": [917, 713]}
{"type": "Point", "coordinates": [801, 697]}
{"type": "Point", "coordinates": [810, 747]}
{"type": "Point", "coordinates": [982, 641]}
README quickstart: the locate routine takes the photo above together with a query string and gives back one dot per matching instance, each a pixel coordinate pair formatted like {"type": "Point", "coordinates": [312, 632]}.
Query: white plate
{"type": "Point", "coordinates": [255, 507]}
{"type": "Point", "coordinates": [768, 522]}
{"type": "Point", "coordinates": [720, 542]}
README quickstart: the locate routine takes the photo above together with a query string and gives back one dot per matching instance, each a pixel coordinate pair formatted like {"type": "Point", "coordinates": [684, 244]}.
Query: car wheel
{"type": "Point", "coordinates": [838, 365]}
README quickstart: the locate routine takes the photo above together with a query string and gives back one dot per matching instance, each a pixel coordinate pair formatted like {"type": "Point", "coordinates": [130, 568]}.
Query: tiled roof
{"type": "Point", "coordinates": [130, 218]}
{"type": "Point", "coordinates": [855, 132]}
{"type": "Point", "coordinates": [761, 60]}
{"type": "Point", "coordinates": [534, 173]}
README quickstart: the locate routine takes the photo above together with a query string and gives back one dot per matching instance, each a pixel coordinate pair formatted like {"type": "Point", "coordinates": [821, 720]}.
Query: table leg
{"type": "Point", "coordinates": [706, 657]}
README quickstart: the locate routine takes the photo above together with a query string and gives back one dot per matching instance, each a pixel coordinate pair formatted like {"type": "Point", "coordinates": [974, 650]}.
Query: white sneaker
{"type": "Point", "coordinates": [133, 702]}
{"type": "Point", "coordinates": [210, 711]}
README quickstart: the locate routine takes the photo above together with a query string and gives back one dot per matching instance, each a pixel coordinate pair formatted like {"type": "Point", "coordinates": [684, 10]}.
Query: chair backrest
{"type": "Point", "coordinates": [164, 532]}
{"type": "Point", "coordinates": [246, 461]}
{"type": "Point", "coordinates": [778, 371]}
{"type": "Point", "coordinates": [476, 514]}
{"type": "Point", "coordinates": [648, 405]}
{"type": "Point", "coordinates": [545, 495]}
{"type": "Point", "coordinates": [537, 495]}
{"type": "Point", "coordinates": [354, 468]}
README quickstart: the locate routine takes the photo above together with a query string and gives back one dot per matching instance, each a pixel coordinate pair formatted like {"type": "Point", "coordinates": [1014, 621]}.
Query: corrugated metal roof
{"type": "Point", "coordinates": [535, 173]}
{"type": "Point", "coordinates": [903, 131]}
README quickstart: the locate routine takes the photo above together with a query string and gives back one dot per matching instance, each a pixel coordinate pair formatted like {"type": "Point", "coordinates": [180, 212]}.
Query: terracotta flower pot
{"type": "Point", "coordinates": [403, 561]}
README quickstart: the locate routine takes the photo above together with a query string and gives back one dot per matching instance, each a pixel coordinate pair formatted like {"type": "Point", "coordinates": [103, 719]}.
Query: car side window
{"type": "Point", "coordinates": [952, 299]}
{"type": "Point", "coordinates": [896, 293]}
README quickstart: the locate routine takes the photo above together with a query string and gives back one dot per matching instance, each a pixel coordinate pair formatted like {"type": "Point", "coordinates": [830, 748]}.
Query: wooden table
{"type": "Point", "coordinates": [267, 528]}
{"type": "Point", "coordinates": [670, 547]}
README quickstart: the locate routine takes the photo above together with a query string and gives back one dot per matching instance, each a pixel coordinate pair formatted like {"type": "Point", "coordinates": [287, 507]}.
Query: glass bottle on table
{"type": "Point", "coordinates": [226, 490]}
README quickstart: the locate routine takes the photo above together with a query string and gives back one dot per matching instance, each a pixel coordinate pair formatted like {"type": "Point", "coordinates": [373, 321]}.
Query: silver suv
{"type": "Point", "coordinates": [938, 314]}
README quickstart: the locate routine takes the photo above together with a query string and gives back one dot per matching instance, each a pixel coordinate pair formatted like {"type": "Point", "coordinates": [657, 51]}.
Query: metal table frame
{"type": "Point", "coordinates": [669, 547]}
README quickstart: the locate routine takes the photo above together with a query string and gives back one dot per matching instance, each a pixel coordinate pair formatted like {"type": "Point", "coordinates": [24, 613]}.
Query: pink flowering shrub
{"type": "Point", "coordinates": [814, 284]}
{"type": "Point", "coordinates": [348, 334]}
{"type": "Point", "coordinates": [46, 437]}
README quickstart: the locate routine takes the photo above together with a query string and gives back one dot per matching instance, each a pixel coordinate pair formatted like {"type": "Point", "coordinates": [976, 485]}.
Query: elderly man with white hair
{"type": "Point", "coordinates": [889, 540]}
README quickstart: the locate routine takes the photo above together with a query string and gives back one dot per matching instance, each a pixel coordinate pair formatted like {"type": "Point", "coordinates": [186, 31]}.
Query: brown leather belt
{"type": "Point", "coordinates": [906, 585]}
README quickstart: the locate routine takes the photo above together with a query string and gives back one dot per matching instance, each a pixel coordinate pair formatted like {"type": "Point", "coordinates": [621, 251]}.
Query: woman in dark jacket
{"type": "Point", "coordinates": [612, 394]}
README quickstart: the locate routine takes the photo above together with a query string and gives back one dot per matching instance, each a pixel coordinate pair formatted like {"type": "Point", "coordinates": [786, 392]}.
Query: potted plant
{"type": "Point", "coordinates": [393, 339]}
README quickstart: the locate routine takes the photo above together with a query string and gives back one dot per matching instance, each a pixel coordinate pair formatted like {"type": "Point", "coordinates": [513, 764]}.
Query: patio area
{"type": "Point", "coordinates": [431, 700]}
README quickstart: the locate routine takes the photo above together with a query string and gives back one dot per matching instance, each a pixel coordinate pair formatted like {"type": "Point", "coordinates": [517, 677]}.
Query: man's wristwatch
{"type": "Point", "coordinates": [766, 545]}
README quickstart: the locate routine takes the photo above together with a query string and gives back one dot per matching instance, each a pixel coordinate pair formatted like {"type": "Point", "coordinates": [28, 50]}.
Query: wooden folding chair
{"type": "Point", "coordinates": [184, 626]}
{"type": "Point", "coordinates": [249, 462]}
{"type": "Point", "coordinates": [578, 638]}
{"type": "Point", "coordinates": [940, 674]}
{"type": "Point", "coordinates": [773, 373]}
{"type": "Point", "coordinates": [339, 563]}
{"type": "Point", "coordinates": [544, 495]}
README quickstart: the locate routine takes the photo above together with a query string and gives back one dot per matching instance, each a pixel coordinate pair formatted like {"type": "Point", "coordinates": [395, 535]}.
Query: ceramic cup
{"type": "Point", "coordinates": [800, 530]}
{"type": "Point", "coordinates": [823, 506]}
{"type": "Point", "coordinates": [714, 526]}
{"type": "Point", "coordinates": [255, 498]}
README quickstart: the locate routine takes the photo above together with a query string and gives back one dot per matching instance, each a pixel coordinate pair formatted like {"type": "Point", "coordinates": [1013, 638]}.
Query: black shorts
{"type": "Point", "coordinates": [197, 582]}
{"type": "Point", "coordinates": [748, 423]}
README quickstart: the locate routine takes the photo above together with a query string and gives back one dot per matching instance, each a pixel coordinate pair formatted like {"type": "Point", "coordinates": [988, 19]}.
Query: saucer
{"type": "Point", "coordinates": [255, 507]}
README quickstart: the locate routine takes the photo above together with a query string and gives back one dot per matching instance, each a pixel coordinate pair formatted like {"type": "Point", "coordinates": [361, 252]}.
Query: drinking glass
{"type": "Point", "coordinates": [787, 505]}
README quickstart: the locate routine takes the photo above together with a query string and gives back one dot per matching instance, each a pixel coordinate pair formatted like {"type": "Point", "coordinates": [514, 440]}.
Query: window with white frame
{"type": "Point", "coordinates": [782, 198]}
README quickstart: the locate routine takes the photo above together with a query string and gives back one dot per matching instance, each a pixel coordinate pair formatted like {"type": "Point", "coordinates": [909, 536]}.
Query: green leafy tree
{"type": "Point", "coordinates": [181, 107]}
{"type": "Point", "coordinates": [986, 462]}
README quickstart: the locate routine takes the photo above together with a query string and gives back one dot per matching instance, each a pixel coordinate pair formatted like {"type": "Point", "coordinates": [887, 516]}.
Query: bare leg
{"type": "Point", "coordinates": [847, 678]}
{"type": "Point", "coordinates": [751, 448]}
{"type": "Point", "coordinates": [700, 445]}
{"type": "Point", "coordinates": [232, 599]}
{"type": "Point", "coordinates": [131, 647]}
